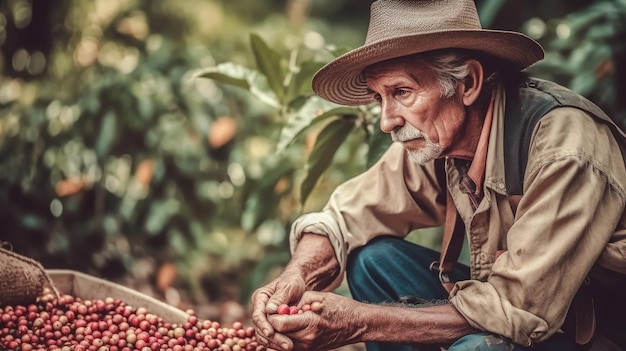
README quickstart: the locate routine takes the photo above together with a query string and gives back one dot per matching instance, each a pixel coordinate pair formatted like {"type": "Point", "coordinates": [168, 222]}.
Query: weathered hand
{"type": "Point", "coordinates": [337, 323]}
{"type": "Point", "coordinates": [287, 288]}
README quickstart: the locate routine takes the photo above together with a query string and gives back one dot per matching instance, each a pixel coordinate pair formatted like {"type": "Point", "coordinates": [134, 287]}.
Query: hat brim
{"type": "Point", "coordinates": [341, 81]}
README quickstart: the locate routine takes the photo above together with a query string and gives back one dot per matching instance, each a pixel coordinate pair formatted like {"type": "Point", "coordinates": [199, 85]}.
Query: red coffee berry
{"type": "Point", "coordinates": [283, 309]}
{"type": "Point", "coordinates": [293, 309]}
{"type": "Point", "coordinates": [286, 309]}
{"type": "Point", "coordinates": [70, 323]}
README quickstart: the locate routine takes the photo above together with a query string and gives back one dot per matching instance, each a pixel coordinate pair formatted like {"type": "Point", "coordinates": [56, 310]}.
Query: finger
{"type": "Point", "coordinates": [262, 325]}
{"type": "Point", "coordinates": [286, 324]}
{"type": "Point", "coordinates": [309, 297]}
{"type": "Point", "coordinates": [262, 340]}
{"type": "Point", "coordinates": [272, 306]}
{"type": "Point", "coordinates": [276, 300]}
{"type": "Point", "coordinates": [277, 342]}
{"type": "Point", "coordinates": [264, 348]}
{"type": "Point", "coordinates": [281, 342]}
{"type": "Point", "coordinates": [259, 317]}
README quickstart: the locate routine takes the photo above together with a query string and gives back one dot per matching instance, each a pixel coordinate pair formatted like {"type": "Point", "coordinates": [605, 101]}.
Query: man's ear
{"type": "Point", "coordinates": [473, 83]}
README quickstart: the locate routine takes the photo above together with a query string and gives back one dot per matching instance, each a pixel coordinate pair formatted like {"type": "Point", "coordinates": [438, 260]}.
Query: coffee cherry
{"type": "Point", "coordinates": [316, 306]}
{"type": "Point", "coordinates": [69, 323]}
{"type": "Point", "coordinates": [293, 309]}
{"type": "Point", "coordinates": [283, 309]}
{"type": "Point", "coordinates": [286, 309]}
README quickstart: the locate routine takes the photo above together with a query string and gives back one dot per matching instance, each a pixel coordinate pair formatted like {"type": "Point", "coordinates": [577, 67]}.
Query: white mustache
{"type": "Point", "coordinates": [407, 132]}
{"type": "Point", "coordinates": [422, 155]}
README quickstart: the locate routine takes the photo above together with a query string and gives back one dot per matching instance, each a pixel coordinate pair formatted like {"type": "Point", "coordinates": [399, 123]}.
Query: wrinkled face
{"type": "Point", "coordinates": [413, 109]}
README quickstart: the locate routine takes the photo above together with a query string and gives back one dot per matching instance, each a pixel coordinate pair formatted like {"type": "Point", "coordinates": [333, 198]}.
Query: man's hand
{"type": "Point", "coordinates": [335, 325]}
{"type": "Point", "coordinates": [313, 266]}
{"type": "Point", "coordinates": [342, 321]}
{"type": "Point", "coordinates": [287, 288]}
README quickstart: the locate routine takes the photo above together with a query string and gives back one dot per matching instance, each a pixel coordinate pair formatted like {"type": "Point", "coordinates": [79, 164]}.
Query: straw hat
{"type": "Point", "coordinates": [404, 27]}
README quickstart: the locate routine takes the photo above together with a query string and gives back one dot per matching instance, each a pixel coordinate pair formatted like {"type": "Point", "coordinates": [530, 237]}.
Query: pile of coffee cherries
{"type": "Point", "coordinates": [293, 309]}
{"type": "Point", "coordinates": [68, 323]}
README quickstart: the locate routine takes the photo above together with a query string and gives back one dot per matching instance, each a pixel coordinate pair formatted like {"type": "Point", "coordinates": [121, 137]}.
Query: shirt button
{"type": "Point", "coordinates": [533, 335]}
{"type": "Point", "coordinates": [501, 186]}
{"type": "Point", "coordinates": [483, 257]}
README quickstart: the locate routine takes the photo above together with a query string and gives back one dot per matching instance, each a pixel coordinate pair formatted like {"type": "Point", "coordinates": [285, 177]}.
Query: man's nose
{"type": "Point", "coordinates": [389, 118]}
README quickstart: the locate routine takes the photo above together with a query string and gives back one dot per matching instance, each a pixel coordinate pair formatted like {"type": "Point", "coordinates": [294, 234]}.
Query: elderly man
{"type": "Point", "coordinates": [529, 173]}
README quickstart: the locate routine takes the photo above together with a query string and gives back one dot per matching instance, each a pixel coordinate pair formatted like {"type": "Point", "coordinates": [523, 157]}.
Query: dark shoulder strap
{"type": "Point", "coordinates": [524, 108]}
{"type": "Point", "coordinates": [527, 101]}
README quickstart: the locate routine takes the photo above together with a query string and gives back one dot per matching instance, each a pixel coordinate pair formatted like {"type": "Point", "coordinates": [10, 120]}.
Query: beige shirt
{"type": "Point", "coordinates": [571, 215]}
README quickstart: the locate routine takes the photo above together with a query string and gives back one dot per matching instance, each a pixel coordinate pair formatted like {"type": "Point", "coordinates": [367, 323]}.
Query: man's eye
{"type": "Point", "coordinates": [401, 92]}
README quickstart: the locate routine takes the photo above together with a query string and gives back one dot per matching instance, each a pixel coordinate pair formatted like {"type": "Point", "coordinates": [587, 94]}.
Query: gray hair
{"type": "Point", "coordinates": [449, 66]}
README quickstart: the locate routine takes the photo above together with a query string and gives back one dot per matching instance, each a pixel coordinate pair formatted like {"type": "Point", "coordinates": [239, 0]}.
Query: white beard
{"type": "Point", "coordinates": [423, 155]}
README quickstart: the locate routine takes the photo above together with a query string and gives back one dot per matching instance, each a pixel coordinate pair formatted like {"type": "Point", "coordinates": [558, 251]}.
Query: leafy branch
{"type": "Point", "coordinates": [285, 86]}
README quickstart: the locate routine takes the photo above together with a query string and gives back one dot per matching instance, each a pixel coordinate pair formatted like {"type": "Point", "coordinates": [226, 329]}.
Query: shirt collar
{"type": "Point", "coordinates": [494, 170]}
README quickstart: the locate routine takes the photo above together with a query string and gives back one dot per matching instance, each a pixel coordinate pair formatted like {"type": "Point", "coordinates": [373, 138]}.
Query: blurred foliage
{"type": "Point", "coordinates": [286, 87]}
{"type": "Point", "coordinates": [586, 51]}
{"type": "Point", "coordinates": [176, 143]}
{"type": "Point", "coordinates": [116, 162]}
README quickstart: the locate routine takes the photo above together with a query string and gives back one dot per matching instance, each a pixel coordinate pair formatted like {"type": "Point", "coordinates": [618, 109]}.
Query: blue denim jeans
{"type": "Point", "coordinates": [390, 269]}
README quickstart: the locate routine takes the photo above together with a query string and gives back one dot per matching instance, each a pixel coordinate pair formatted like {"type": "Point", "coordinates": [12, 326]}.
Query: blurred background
{"type": "Point", "coordinates": [168, 145]}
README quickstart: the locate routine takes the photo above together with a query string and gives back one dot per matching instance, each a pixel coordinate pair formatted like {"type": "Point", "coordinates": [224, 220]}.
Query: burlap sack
{"type": "Point", "coordinates": [22, 279]}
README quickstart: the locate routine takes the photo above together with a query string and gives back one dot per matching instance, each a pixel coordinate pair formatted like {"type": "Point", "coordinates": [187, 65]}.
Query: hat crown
{"type": "Point", "coordinates": [396, 18]}
{"type": "Point", "coordinates": [406, 27]}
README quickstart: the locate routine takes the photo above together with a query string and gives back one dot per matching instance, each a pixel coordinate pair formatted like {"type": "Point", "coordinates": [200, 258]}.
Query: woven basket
{"type": "Point", "coordinates": [22, 279]}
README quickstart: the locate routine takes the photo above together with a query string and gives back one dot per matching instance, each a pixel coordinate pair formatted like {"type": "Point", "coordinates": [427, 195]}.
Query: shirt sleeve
{"type": "Point", "coordinates": [393, 197]}
{"type": "Point", "coordinates": [573, 200]}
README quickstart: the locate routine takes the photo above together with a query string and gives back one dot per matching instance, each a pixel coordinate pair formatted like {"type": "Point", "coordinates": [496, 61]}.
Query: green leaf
{"type": "Point", "coordinates": [378, 143]}
{"type": "Point", "coordinates": [107, 135]}
{"type": "Point", "coordinates": [227, 73]}
{"type": "Point", "coordinates": [553, 64]}
{"type": "Point", "coordinates": [601, 33]}
{"type": "Point", "coordinates": [307, 117]}
{"type": "Point", "coordinates": [159, 215]}
{"type": "Point", "coordinates": [145, 107]}
{"type": "Point", "coordinates": [578, 58]}
{"type": "Point", "coordinates": [300, 84]}
{"type": "Point", "coordinates": [328, 141]}
{"type": "Point", "coordinates": [91, 103]}
{"type": "Point", "coordinates": [241, 77]}
{"type": "Point", "coordinates": [269, 63]}
{"type": "Point", "coordinates": [176, 242]}
{"type": "Point", "coordinates": [584, 83]}
{"type": "Point", "coordinates": [261, 203]}
{"type": "Point", "coordinates": [31, 221]}
{"type": "Point", "coordinates": [580, 21]}
{"type": "Point", "coordinates": [259, 89]}
{"type": "Point", "coordinates": [257, 275]}
{"type": "Point", "coordinates": [298, 102]}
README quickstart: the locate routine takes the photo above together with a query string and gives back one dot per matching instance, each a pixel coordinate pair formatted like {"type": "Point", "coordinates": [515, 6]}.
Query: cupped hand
{"type": "Point", "coordinates": [335, 325]}
{"type": "Point", "coordinates": [286, 288]}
